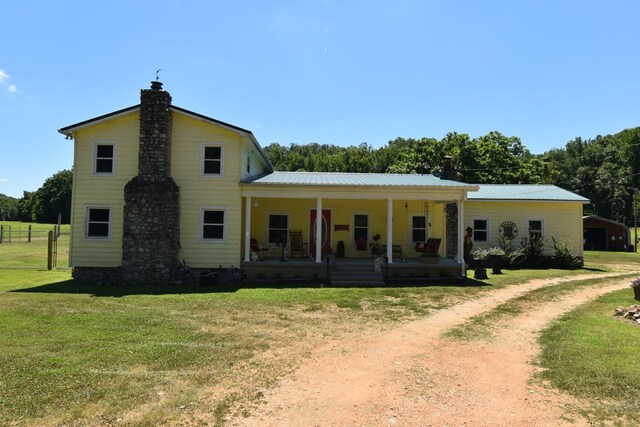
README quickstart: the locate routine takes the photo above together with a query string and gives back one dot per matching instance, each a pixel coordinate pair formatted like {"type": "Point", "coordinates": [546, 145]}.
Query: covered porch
{"type": "Point", "coordinates": [378, 224]}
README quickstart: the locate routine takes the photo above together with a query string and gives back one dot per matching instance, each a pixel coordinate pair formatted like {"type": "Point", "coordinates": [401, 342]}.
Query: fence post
{"type": "Point", "coordinates": [50, 250]}
{"type": "Point", "coordinates": [1, 233]}
{"type": "Point", "coordinates": [29, 235]}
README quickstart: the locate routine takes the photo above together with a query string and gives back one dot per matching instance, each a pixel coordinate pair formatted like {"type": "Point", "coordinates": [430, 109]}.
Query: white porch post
{"type": "Point", "coordinates": [319, 229]}
{"type": "Point", "coordinates": [460, 257]}
{"type": "Point", "coordinates": [390, 230]}
{"type": "Point", "coordinates": [247, 228]}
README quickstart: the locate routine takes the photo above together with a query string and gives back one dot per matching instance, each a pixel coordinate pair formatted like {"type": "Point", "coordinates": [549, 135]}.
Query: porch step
{"type": "Point", "coordinates": [355, 273]}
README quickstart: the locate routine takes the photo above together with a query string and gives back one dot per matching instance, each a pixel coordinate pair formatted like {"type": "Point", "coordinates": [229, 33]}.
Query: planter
{"type": "Point", "coordinates": [496, 264]}
{"type": "Point", "coordinates": [636, 293]}
{"type": "Point", "coordinates": [480, 273]}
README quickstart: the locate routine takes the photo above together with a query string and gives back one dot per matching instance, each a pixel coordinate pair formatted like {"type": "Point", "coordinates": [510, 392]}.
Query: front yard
{"type": "Point", "coordinates": [77, 354]}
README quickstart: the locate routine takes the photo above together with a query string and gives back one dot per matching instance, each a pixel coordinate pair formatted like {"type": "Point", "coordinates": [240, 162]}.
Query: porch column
{"type": "Point", "coordinates": [247, 228]}
{"type": "Point", "coordinates": [319, 229]}
{"type": "Point", "coordinates": [390, 230]}
{"type": "Point", "coordinates": [461, 233]}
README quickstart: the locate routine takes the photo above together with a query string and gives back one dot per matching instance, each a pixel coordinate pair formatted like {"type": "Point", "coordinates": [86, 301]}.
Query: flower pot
{"type": "Point", "coordinates": [636, 293]}
{"type": "Point", "coordinates": [480, 273]}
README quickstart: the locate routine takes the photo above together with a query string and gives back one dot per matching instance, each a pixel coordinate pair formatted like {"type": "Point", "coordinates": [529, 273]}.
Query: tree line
{"type": "Point", "coordinates": [42, 205]}
{"type": "Point", "coordinates": [605, 169]}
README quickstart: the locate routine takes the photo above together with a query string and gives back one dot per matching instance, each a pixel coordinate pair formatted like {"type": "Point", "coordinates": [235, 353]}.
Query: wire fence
{"type": "Point", "coordinates": [26, 247]}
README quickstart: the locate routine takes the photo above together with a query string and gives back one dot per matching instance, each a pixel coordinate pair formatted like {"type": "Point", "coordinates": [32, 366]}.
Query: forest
{"type": "Point", "coordinates": [605, 169]}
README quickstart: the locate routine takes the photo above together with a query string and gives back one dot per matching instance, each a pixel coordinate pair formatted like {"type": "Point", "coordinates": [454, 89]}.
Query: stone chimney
{"type": "Point", "coordinates": [446, 170]}
{"type": "Point", "coordinates": [151, 233]}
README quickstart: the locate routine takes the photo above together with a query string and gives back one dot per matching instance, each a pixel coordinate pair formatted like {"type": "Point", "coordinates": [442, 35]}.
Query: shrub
{"type": "Point", "coordinates": [563, 256]}
{"type": "Point", "coordinates": [532, 248]}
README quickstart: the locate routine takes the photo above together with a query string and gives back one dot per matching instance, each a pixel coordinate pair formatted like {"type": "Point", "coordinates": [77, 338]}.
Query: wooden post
{"type": "Point", "coordinates": [29, 235]}
{"type": "Point", "coordinates": [1, 233]}
{"type": "Point", "coordinates": [50, 251]}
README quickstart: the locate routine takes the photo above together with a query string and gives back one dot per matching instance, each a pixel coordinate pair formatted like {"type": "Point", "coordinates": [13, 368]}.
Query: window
{"type": "Point", "coordinates": [278, 228]}
{"type": "Point", "coordinates": [212, 160]}
{"type": "Point", "coordinates": [361, 230]}
{"type": "Point", "coordinates": [480, 230]}
{"type": "Point", "coordinates": [98, 223]}
{"type": "Point", "coordinates": [418, 228]}
{"type": "Point", "coordinates": [535, 227]}
{"type": "Point", "coordinates": [213, 224]}
{"type": "Point", "coordinates": [104, 159]}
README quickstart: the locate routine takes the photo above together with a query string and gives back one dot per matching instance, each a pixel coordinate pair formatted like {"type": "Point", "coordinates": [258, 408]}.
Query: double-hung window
{"type": "Point", "coordinates": [535, 227]}
{"type": "Point", "coordinates": [480, 230]}
{"type": "Point", "coordinates": [98, 223]}
{"type": "Point", "coordinates": [278, 228]}
{"type": "Point", "coordinates": [212, 160]}
{"type": "Point", "coordinates": [418, 228]}
{"type": "Point", "coordinates": [104, 158]}
{"type": "Point", "coordinates": [213, 223]}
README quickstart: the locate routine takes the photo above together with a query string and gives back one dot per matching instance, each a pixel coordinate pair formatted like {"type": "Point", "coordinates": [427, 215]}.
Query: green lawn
{"type": "Point", "coordinates": [17, 251]}
{"type": "Point", "coordinates": [78, 354]}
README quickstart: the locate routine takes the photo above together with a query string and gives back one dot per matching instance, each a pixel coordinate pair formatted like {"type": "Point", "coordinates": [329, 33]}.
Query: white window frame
{"type": "Point", "coordinates": [203, 147]}
{"type": "Point", "coordinates": [268, 227]}
{"type": "Point", "coordinates": [411, 228]}
{"type": "Point", "coordinates": [487, 230]}
{"type": "Point", "coordinates": [95, 158]}
{"type": "Point", "coordinates": [201, 224]}
{"type": "Point", "coordinates": [542, 230]}
{"type": "Point", "coordinates": [87, 221]}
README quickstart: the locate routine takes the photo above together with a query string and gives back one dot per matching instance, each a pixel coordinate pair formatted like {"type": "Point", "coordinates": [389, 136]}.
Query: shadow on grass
{"type": "Point", "coordinates": [74, 287]}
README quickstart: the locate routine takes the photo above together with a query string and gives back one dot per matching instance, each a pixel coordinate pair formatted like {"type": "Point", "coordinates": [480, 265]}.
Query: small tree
{"type": "Point", "coordinates": [563, 256]}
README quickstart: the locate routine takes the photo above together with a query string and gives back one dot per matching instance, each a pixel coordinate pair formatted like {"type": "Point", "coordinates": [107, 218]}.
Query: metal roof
{"type": "Point", "coordinates": [531, 192]}
{"type": "Point", "coordinates": [358, 179]}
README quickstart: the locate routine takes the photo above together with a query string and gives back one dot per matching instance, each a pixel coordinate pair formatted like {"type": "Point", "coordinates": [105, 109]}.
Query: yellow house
{"type": "Point", "coordinates": [156, 185]}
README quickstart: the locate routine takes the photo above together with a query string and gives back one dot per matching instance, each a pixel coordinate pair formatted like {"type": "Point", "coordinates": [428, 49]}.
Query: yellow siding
{"type": "Point", "coordinates": [562, 220]}
{"type": "Point", "coordinates": [342, 212]}
{"type": "Point", "coordinates": [197, 192]}
{"type": "Point", "coordinates": [103, 190]}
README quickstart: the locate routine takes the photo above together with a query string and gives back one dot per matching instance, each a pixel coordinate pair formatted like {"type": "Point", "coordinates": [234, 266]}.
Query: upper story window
{"type": "Point", "coordinates": [98, 223]}
{"type": "Point", "coordinates": [104, 159]}
{"type": "Point", "coordinates": [212, 160]}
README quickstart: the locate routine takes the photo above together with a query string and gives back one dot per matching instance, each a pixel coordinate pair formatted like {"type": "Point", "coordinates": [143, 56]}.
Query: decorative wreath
{"type": "Point", "coordinates": [508, 230]}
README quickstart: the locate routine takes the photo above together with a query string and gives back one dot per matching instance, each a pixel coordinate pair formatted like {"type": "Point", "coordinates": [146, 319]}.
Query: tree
{"type": "Point", "coordinates": [53, 198]}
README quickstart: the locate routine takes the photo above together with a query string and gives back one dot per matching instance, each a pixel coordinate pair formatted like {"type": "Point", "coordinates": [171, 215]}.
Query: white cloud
{"type": "Point", "coordinates": [13, 88]}
{"type": "Point", "coordinates": [3, 75]}
{"type": "Point", "coordinates": [4, 180]}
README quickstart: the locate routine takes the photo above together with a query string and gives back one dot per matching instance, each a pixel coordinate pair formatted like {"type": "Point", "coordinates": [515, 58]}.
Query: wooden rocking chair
{"type": "Point", "coordinates": [299, 249]}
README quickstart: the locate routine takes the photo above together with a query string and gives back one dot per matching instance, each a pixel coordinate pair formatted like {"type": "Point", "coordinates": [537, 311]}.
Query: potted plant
{"type": "Point", "coordinates": [376, 250]}
{"type": "Point", "coordinates": [495, 255]}
{"type": "Point", "coordinates": [635, 284]}
{"type": "Point", "coordinates": [480, 258]}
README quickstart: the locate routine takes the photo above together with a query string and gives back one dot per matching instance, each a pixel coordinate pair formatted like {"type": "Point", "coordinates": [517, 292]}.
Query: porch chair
{"type": "Point", "coordinates": [430, 248]}
{"type": "Point", "coordinates": [255, 247]}
{"type": "Point", "coordinates": [299, 249]}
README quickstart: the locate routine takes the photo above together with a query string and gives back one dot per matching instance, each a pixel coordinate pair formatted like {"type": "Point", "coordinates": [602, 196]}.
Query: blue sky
{"type": "Point", "coordinates": [337, 72]}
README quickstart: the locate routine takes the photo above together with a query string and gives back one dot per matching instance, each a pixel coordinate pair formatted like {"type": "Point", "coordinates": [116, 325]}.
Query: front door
{"type": "Point", "coordinates": [325, 233]}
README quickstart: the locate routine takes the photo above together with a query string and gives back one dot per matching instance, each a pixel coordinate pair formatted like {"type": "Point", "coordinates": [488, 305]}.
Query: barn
{"type": "Point", "coordinates": [602, 234]}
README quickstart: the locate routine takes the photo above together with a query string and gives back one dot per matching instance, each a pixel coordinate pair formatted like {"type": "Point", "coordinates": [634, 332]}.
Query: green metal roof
{"type": "Point", "coordinates": [531, 192]}
{"type": "Point", "coordinates": [358, 179]}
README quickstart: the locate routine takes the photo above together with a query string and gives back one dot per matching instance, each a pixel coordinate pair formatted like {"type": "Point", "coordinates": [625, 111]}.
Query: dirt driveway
{"type": "Point", "coordinates": [413, 376]}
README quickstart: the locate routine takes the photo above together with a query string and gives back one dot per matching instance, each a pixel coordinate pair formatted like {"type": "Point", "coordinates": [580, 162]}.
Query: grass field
{"type": "Point", "coordinates": [75, 354]}
{"type": "Point", "coordinates": [18, 251]}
